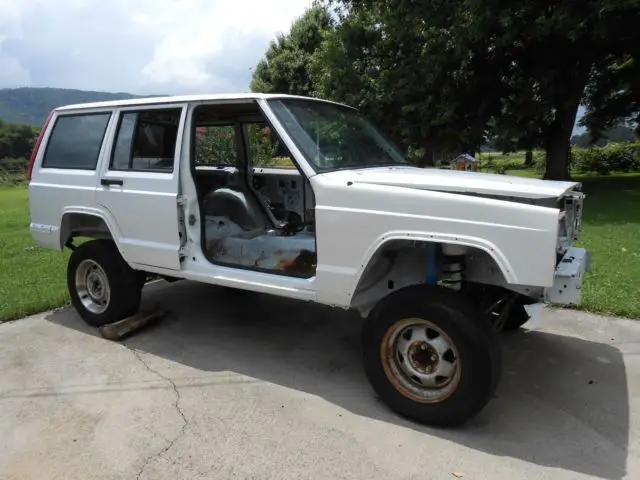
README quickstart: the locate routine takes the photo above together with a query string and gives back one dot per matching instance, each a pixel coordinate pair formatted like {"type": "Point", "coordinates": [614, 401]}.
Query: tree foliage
{"type": "Point", "coordinates": [456, 75]}
{"type": "Point", "coordinates": [558, 53]}
{"type": "Point", "coordinates": [216, 145]}
{"type": "Point", "coordinates": [16, 143]}
{"type": "Point", "coordinates": [402, 72]}
{"type": "Point", "coordinates": [285, 67]}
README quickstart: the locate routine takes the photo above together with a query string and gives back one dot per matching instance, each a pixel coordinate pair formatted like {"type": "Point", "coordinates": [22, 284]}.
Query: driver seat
{"type": "Point", "coordinates": [236, 203]}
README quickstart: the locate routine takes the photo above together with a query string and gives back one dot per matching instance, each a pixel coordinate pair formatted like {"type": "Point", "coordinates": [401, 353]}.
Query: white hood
{"type": "Point", "coordinates": [457, 181]}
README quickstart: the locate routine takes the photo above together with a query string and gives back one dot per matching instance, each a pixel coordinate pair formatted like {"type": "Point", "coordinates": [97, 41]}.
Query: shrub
{"type": "Point", "coordinates": [500, 169]}
{"type": "Point", "coordinates": [615, 157]}
{"type": "Point", "coordinates": [12, 170]}
{"type": "Point", "coordinates": [539, 161]}
{"type": "Point", "coordinates": [13, 163]}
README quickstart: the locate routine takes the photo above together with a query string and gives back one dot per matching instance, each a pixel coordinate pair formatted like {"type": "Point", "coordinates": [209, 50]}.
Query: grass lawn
{"type": "Point", "coordinates": [33, 280]}
{"type": "Point", "coordinates": [611, 230]}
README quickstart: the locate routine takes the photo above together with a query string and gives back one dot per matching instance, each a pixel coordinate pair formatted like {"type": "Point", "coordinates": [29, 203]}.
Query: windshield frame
{"type": "Point", "coordinates": [278, 106]}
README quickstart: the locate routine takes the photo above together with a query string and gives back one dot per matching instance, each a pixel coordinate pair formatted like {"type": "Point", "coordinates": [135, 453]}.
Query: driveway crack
{"type": "Point", "coordinates": [176, 405]}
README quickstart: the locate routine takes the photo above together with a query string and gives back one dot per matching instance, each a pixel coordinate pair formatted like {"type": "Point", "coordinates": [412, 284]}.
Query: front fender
{"type": "Point", "coordinates": [462, 240]}
{"type": "Point", "coordinates": [354, 220]}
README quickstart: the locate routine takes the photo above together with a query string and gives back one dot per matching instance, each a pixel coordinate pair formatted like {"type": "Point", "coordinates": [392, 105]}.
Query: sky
{"type": "Point", "coordinates": [139, 46]}
{"type": "Point", "coordinates": [146, 47]}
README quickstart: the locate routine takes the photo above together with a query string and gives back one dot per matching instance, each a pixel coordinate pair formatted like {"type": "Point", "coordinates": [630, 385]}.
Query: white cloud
{"type": "Point", "coordinates": [146, 46]}
{"type": "Point", "coordinates": [11, 71]}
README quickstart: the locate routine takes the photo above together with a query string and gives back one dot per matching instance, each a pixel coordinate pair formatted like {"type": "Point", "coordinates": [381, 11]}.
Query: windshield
{"type": "Point", "coordinates": [334, 137]}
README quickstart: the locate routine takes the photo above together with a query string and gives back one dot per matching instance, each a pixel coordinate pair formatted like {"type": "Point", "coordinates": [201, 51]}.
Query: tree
{"type": "Point", "coordinates": [284, 69]}
{"type": "Point", "coordinates": [613, 94]}
{"type": "Point", "coordinates": [562, 53]}
{"type": "Point", "coordinates": [16, 142]}
{"type": "Point", "coordinates": [450, 75]}
{"type": "Point", "coordinates": [450, 71]}
{"type": "Point", "coordinates": [391, 60]}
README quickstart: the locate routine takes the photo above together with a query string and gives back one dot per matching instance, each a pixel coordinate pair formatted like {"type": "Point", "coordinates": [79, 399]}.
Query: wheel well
{"type": "Point", "coordinates": [400, 263]}
{"type": "Point", "coordinates": [83, 225]}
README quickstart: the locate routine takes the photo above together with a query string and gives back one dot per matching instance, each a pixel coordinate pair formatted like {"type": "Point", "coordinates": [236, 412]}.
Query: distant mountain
{"type": "Point", "coordinates": [30, 106]}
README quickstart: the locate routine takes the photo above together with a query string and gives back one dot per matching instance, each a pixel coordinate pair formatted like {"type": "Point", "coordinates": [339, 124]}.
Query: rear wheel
{"type": "Point", "coordinates": [431, 356]}
{"type": "Point", "coordinates": [102, 287]}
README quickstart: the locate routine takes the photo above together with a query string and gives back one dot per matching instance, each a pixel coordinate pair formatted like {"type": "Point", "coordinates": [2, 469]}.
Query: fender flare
{"type": "Point", "coordinates": [462, 240]}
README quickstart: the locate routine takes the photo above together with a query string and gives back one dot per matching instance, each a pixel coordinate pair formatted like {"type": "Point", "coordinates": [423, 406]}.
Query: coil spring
{"type": "Point", "coordinates": [453, 270]}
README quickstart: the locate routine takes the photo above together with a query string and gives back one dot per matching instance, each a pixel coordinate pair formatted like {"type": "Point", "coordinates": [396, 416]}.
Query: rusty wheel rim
{"type": "Point", "coordinates": [420, 360]}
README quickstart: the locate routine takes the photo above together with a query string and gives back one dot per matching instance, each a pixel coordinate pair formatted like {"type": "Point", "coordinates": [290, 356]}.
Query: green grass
{"type": "Point", "coordinates": [611, 231]}
{"type": "Point", "coordinates": [33, 279]}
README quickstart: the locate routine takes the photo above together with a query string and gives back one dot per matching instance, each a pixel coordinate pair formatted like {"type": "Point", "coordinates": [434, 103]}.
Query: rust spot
{"type": "Point", "coordinates": [305, 263]}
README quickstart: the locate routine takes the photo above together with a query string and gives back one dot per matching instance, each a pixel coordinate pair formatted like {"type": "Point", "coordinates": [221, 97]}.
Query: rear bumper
{"type": "Point", "coordinates": [568, 278]}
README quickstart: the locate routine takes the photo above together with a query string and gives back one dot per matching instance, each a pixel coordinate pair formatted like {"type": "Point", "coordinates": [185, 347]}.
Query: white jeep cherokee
{"type": "Point", "coordinates": [305, 199]}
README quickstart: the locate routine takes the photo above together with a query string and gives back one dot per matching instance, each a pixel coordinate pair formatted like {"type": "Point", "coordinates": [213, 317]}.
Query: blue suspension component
{"type": "Point", "coordinates": [432, 277]}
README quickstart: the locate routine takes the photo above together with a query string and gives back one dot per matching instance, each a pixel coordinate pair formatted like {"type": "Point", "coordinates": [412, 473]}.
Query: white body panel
{"type": "Point", "coordinates": [56, 191]}
{"type": "Point", "coordinates": [521, 238]}
{"type": "Point", "coordinates": [356, 212]}
{"type": "Point", "coordinates": [49, 200]}
{"type": "Point", "coordinates": [461, 181]}
{"type": "Point", "coordinates": [143, 209]}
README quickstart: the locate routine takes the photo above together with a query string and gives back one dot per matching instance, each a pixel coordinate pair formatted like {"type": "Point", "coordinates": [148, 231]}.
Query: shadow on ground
{"type": "Point", "coordinates": [562, 400]}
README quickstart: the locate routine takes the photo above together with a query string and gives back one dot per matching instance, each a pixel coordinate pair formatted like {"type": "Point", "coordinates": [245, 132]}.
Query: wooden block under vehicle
{"type": "Point", "coordinates": [121, 328]}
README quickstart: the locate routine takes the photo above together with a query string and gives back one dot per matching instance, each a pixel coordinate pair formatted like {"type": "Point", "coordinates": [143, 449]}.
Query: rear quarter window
{"type": "Point", "coordinates": [75, 141]}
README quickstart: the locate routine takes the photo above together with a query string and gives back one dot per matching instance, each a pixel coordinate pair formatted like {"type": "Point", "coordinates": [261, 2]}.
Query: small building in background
{"type": "Point", "coordinates": [464, 162]}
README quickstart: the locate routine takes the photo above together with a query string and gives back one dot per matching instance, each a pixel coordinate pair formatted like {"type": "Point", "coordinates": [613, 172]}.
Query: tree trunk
{"type": "Point", "coordinates": [528, 158]}
{"type": "Point", "coordinates": [558, 135]}
{"type": "Point", "coordinates": [557, 143]}
{"type": "Point", "coordinates": [557, 152]}
{"type": "Point", "coordinates": [427, 159]}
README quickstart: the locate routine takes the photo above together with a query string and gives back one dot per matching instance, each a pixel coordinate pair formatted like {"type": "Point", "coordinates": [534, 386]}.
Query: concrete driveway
{"type": "Point", "coordinates": [254, 387]}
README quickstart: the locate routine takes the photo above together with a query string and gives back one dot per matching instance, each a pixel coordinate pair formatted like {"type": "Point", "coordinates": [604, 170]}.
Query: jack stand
{"type": "Point", "coordinates": [118, 330]}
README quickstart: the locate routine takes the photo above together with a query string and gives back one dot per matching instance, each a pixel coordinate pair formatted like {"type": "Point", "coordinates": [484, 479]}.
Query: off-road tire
{"type": "Point", "coordinates": [124, 283]}
{"type": "Point", "coordinates": [475, 339]}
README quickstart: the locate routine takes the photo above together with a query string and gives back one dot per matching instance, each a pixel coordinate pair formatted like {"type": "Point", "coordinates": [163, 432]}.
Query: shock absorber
{"type": "Point", "coordinates": [453, 266]}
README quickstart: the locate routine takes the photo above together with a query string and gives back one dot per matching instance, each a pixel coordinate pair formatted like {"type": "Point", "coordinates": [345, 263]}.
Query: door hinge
{"type": "Point", "coordinates": [181, 200]}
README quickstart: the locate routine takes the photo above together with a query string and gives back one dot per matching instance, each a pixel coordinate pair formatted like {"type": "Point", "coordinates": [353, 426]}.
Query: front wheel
{"type": "Point", "coordinates": [431, 356]}
{"type": "Point", "coordinates": [102, 287]}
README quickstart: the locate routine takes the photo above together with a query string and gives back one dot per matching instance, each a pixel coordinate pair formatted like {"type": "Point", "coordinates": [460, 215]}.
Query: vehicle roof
{"type": "Point", "coordinates": [185, 99]}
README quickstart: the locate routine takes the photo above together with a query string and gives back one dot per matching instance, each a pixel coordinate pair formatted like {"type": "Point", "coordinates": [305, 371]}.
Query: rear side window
{"type": "Point", "coordinates": [75, 141]}
{"type": "Point", "coordinates": [146, 140]}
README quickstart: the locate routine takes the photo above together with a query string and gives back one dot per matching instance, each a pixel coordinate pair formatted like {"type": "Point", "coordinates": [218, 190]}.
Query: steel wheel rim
{"type": "Point", "coordinates": [420, 360]}
{"type": "Point", "coordinates": [92, 286]}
